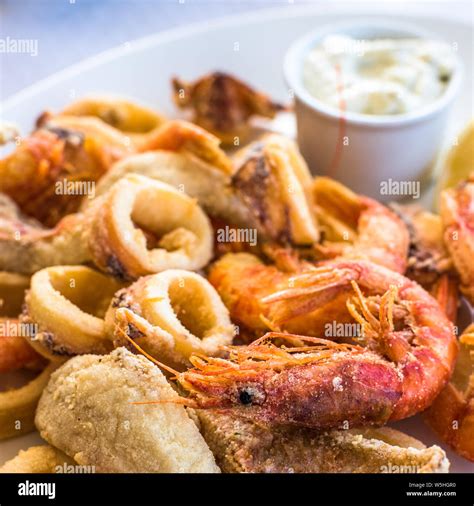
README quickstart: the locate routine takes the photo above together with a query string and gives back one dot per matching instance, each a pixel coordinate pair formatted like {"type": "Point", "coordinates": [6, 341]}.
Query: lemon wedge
{"type": "Point", "coordinates": [459, 162]}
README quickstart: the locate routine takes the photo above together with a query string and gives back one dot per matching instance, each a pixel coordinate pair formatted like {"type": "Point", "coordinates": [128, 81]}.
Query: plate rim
{"type": "Point", "coordinates": [191, 29]}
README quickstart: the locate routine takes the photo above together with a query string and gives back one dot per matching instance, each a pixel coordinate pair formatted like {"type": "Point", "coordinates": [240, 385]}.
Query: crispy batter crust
{"type": "Point", "coordinates": [171, 315]}
{"type": "Point", "coordinates": [180, 231]}
{"type": "Point", "coordinates": [87, 412]}
{"type": "Point", "coordinates": [241, 445]}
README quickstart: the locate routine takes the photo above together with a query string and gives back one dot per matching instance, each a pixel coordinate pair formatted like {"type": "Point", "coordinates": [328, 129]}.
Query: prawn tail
{"type": "Point", "coordinates": [446, 293]}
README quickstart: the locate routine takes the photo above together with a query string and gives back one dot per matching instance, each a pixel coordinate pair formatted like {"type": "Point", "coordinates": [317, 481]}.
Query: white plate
{"type": "Point", "coordinates": [143, 68]}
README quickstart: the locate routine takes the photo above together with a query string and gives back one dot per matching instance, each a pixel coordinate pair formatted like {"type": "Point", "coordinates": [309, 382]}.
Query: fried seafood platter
{"type": "Point", "coordinates": [175, 301]}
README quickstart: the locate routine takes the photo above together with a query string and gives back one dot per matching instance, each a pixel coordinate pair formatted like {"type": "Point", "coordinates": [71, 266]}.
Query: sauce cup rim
{"type": "Point", "coordinates": [299, 49]}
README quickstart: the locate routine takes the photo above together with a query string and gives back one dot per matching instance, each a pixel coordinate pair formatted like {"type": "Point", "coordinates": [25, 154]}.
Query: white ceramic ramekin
{"type": "Point", "coordinates": [367, 152]}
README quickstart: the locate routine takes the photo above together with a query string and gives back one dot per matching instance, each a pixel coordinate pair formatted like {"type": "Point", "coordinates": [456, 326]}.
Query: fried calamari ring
{"type": "Point", "coordinates": [37, 459]}
{"type": "Point", "coordinates": [182, 136]}
{"type": "Point", "coordinates": [173, 227]}
{"type": "Point", "coordinates": [269, 190]}
{"type": "Point", "coordinates": [118, 112]}
{"type": "Point", "coordinates": [18, 406]}
{"type": "Point", "coordinates": [174, 231]}
{"type": "Point", "coordinates": [56, 155]}
{"type": "Point", "coordinates": [197, 178]}
{"type": "Point", "coordinates": [171, 315]}
{"type": "Point", "coordinates": [223, 104]}
{"type": "Point", "coordinates": [68, 304]}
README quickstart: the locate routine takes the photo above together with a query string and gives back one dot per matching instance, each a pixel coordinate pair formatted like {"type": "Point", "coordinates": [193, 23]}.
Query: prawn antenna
{"type": "Point", "coordinates": [188, 403]}
{"type": "Point", "coordinates": [147, 355]}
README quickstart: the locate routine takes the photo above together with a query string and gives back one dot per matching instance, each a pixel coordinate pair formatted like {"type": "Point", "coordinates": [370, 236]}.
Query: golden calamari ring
{"type": "Point", "coordinates": [18, 406]}
{"type": "Point", "coordinates": [197, 178]}
{"type": "Point", "coordinates": [174, 231]}
{"type": "Point", "coordinates": [118, 112]}
{"type": "Point", "coordinates": [183, 136]}
{"type": "Point", "coordinates": [177, 231]}
{"type": "Point", "coordinates": [269, 189]}
{"type": "Point", "coordinates": [68, 304]}
{"type": "Point", "coordinates": [171, 315]}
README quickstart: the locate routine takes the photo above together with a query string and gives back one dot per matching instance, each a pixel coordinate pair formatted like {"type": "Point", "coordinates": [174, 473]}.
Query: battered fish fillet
{"type": "Point", "coordinates": [37, 459]}
{"type": "Point", "coordinates": [242, 446]}
{"type": "Point", "coordinates": [87, 412]}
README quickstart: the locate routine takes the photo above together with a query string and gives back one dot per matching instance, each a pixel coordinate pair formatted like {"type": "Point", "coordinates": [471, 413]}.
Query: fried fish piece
{"type": "Point", "coordinates": [88, 411]}
{"type": "Point", "coordinates": [242, 446]}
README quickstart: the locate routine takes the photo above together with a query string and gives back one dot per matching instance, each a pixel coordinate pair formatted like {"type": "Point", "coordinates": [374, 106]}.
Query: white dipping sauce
{"type": "Point", "coordinates": [378, 76]}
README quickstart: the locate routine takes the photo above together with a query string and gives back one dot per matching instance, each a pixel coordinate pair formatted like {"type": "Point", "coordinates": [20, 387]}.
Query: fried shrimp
{"type": "Point", "coordinates": [15, 351]}
{"type": "Point", "coordinates": [67, 305]}
{"type": "Point", "coordinates": [429, 261]}
{"type": "Point", "coordinates": [320, 384]}
{"type": "Point", "coordinates": [457, 213]}
{"type": "Point", "coordinates": [451, 415]}
{"type": "Point", "coordinates": [171, 315]}
{"type": "Point", "coordinates": [52, 156]}
{"type": "Point", "coordinates": [396, 320]}
{"type": "Point", "coordinates": [223, 105]}
{"type": "Point", "coordinates": [141, 227]}
{"type": "Point", "coordinates": [357, 227]}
